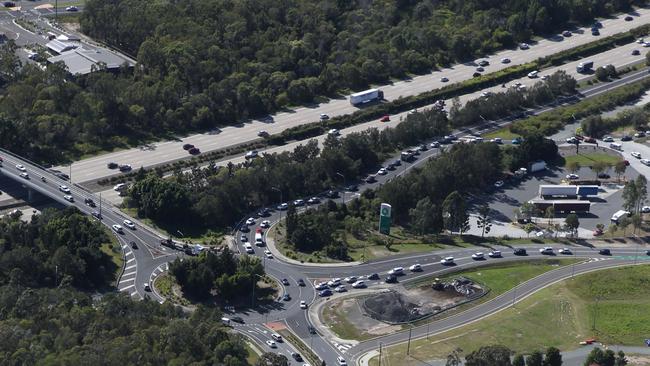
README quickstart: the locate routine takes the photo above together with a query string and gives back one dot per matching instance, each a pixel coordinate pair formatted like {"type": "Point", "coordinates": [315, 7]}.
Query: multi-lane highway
{"type": "Point", "coordinates": [153, 154]}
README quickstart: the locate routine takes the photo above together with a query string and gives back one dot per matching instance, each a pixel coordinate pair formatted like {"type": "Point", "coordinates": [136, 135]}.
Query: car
{"type": "Point", "coordinates": [21, 167]}
{"type": "Point", "coordinates": [125, 168]}
{"type": "Point", "coordinates": [447, 261]}
{"type": "Point", "coordinates": [603, 176]}
{"type": "Point", "coordinates": [341, 361]}
{"type": "Point", "coordinates": [352, 188]}
{"type": "Point", "coordinates": [434, 145]}
{"type": "Point", "coordinates": [303, 304]}
{"type": "Point", "coordinates": [283, 206]}
{"type": "Point", "coordinates": [516, 141]}
{"type": "Point", "coordinates": [371, 179]}
{"type": "Point", "coordinates": [265, 224]}
{"type": "Point", "coordinates": [296, 356]}
{"type": "Point", "coordinates": [636, 154]}
{"type": "Point", "coordinates": [546, 250]}
{"type": "Point", "coordinates": [251, 154]}
{"type": "Point", "coordinates": [605, 251]}
{"type": "Point", "coordinates": [324, 117]}
{"type": "Point", "coordinates": [566, 33]}
{"type": "Point", "coordinates": [608, 139]}
{"type": "Point", "coordinates": [480, 69]}
{"type": "Point", "coordinates": [478, 256]}
{"type": "Point", "coordinates": [629, 18]}
{"type": "Point", "coordinates": [627, 163]}
{"type": "Point", "coordinates": [276, 337]}
{"type": "Point", "coordinates": [271, 344]}
{"type": "Point", "coordinates": [321, 286]}
{"type": "Point", "coordinates": [311, 330]}
{"type": "Point", "coordinates": [382, 171]}
{"type": "Point", "coordinates": [636, 52]}
{"type": "Point", "coordinates": [572, 176]}
{"type": "Point", "coordinates": [285, 282]}
{"type": "Point", "coordinates": [498, 184]}
{"type": "Point", "coordinates": [243, 238]}
{"type": "Point", "coordinates": [117, 228]}
{"type": "Point", "coordinates": [68, 198]}
{"type": "Point", "coordinates": [96, 215]}
{"type": "Point", "coordinates": [146, 287]}
{"type": "Point", "coordinates": [385, 118]}
{"type": "Point", "coordinates": [8, 4]}
{"type": "Point", "coordinates": [129, 224]}
{"type": "Point", "coordinates": [415, 268]}
{"type": "Point", "coordinates": [590, 140]}
{"type": "Point", "coordinates": [645, 209]}
{"type": "Point", "coordinates": [626, 138]}
{"type": "Point", "coordinates": [359, 284]}
{"type": "Point", "coordinates": [119, 187]}
{"type": "Point", "coordinates": [286, 297]}
{"type": "Point", "coordinates": [483, 63]}
{"type": "Point", "coordinates": [494, 254]}
{"type": "Point", "coordinates": [268, 254]}
{"type": "Point", "coordinates": [263, 133]}
{"type": "Point", "coordinates": [250, 221]}
{"type": "Point", "coordinates": [639, 134]}
{"type": "Point", "coordinates": [519, 251]}
{"type": "Point", "coordinates": [397, 162]}
{"type": "Point", "coordinates": [313, 201]}
{"type": "Point", "coordinates": [331, 194]}
{"type": "Point", "coordinates": [237, 319]}
{"type": "Point", "coordinates": [524, 46]}
{"type": "Point", "coordinates": [298, 202]}
{"type": "Point", "coordinates": [325, 293]}
{"type": "Point", "coordinates": [444, 79]}
{"type": "Point", "coordinates": [301, 282]}
{"type": "Point", "coordinates": [391, 279]}
{"type": "Point", "coordinates": [194, 151]}
{"type": "Point", "coordinates": [505, 60]}
{"type": "Point", "coordinates": [397, 271]}
{"type": "Point", "coordinates": [112, 165]}
{"type": "Point", "coordinates": [373, 276]}
{"type": "Point", "coordinates": [476, 74]}
{"type": "Point", "coordinates": [350, 279]}
{"type": "Point", "coordinates": [244, 229]}
{"type": "Point", "coordinates": [595, 32]}
{"type": "Point", "coordinates": [390, 166]}
{"type": "Point", "coordinates": [133, 245]}
{"type": "Point", "coordinates": [71, 8]}
{"type": "Point", "coordinates": [340, 289]}
{"type": "Point", "coordinates": [334, 282]}
{"type": "Point", "coordinates": [565, 251]}
{"type": "Point", "coordinates": [187, 146]}
{"type": "Point", "coordinates": [89, 202]}
{"type": "Point", "coordinates": [333, 132]}
{"type": "Point", "coordinates": [423, 147]}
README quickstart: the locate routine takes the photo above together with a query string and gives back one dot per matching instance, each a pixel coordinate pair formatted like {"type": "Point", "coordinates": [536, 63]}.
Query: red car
{"type": "Point", "coordinates": [385, 118]}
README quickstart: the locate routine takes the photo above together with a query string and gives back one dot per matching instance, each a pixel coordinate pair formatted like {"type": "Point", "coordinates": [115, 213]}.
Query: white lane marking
{"type": "Point", "coordinates": [127, 287]}
{"type": "Point", "coordinates": [131, 266]}
{"type": "Point", "coordinates": [130, 260]}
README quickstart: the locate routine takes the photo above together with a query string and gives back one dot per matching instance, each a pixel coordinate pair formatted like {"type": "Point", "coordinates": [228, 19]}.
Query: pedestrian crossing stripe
{"type": "Point", "coordinates": [342, 347]}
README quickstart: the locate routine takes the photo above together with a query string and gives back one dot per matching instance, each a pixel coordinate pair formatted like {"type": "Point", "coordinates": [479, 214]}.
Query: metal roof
{"type": "Point", "coordinates": [60, 47]}
{"type": "Point", "coordinates": [81, 60]}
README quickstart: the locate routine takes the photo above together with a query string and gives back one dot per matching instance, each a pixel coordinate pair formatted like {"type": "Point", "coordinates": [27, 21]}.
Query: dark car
{"type": "Point", "coordinates": [187, 146]}
{"type": "Point", "coordinates": [391, 279]}
{"type": "Point", "coordinates": [647, 252]}
{"type": "Point", "coordinates": [112, 165]}
{"type": "Point", "coordinates": [194, 151]}
{"type": "Point", "coordinates": [371, 179]}
{"type": "Point", "coordinates": [604, 252]}
{"type": "Point", "coordinates": [628, 18]}
{"type": "Point", "coordinates": [285, 282]}
{"type": "Point", "coordinates": [96, 215]}
{"type": "Point", "coordinates": [373, 276]}
{"type": "Point", "coordinates": [603, 176]}
{"type": "Point", "coordinates": [476, 74]}
{"type": "Point", "coordinates": [244, 229]}
{"type": "Point", "coordinates": [520, 251]}
{"type": "Point", "coordinates": [626, 138]}
{"type": "Point", "coordinates": [595, 32]}
{"type": "Point", "coordinates": [296, 356]}
{"type": "Point", "coordinates": [636, 52]}
{"type": "Point", "coordinates": [397, 162]}
{"type": "Point", "coordinates": [311, 329]}
{"type": "Point", "coordinates": [237, 319]}
{"type": "Point", "coordinates": [597, 25]}
{"type": "Point", "coordinates": [89, 202]}
{"type": "Point", "coordinates": [263, 212]}
{"type": "Point", "coordinates": [286, 297]}
{"type": "Point", "coordinates": [390, 166]}
{"type": "Point", "coordinates": [324, 293]}
{"type": "Point", "coordinates": [352, 188]}
{"type": "Point", "coordinates": [125, 168]}
{"type": "Point", "coordinates": [133, 245]}
{"type": "Point", "coordinates": [332, 194]}
{"type": "Point", "coordinates": [301, 283]}
{"type": "Point", "coordinates": [484, 63]}
{"type": "Point", "coordinates": [9, 4]}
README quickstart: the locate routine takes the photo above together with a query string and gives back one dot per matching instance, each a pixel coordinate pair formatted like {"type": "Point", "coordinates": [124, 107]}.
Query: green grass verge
{"type": "Point", "coordinates": [304, 351]}
{"type": "Point", "coordinates": [561, 315]}
{"type": "Point", "coordinates": [503, 133]}
{"type": "Point", "coordinates": [589, 159]}
{"type": "Point", "coordinates": [253, 352]}
{"type": "Point", "coordinates": [498, 277]}
{"type": "Point", "coordinates": [114, 250]}
{"type": "Point", "coordinates": [164, 285]}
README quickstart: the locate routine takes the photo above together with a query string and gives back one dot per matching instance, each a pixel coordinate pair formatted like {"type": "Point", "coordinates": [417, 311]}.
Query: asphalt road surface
{"type": "Point", "coordinates": [95, 168]}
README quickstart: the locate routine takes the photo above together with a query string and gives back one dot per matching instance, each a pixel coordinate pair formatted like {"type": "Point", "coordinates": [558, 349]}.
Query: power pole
{"type": "Point", "coordinates": [379, 353]}
{"type": "Point", "coordinates": [408, 345]}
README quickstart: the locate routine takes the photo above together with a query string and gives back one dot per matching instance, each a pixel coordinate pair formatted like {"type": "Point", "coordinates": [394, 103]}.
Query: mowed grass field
{"type": "Point", "coordinates": [590, 159]}
{"type": "Point", "coordinates": [561, 315]}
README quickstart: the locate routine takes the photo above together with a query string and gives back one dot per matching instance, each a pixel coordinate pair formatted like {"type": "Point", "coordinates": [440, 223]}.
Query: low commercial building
{"type": "Point", "coordinates": [84, 61]}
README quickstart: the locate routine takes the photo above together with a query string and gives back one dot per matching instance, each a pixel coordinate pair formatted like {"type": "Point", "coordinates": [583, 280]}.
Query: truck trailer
{"type": "Point", "coordinates": [366, 96]}
{"type": "Point", "coordinates": [562, 206]}
{"type": "Point", "coordinates": [584, 191]}
{"type": "Point", "coordinates": [547, 190]}
{"type": "Point", "coordinates": [584, 67]}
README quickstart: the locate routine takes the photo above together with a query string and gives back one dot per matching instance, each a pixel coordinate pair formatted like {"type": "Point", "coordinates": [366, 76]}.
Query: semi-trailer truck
{"type": "Point", "coordinates": [366, 96]}
{"type": "Point", "coordinates": [562, 206]}
{"type": "Point", "coordinates": [585, 66]}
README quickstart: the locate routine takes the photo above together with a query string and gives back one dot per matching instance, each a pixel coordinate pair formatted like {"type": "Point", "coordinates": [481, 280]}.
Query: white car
{"type": "Point", "coordinates": [117, 228]}
{"type": "Point", "coordinates": [251, 154]}
{"type": "Point", "coordinates": [546, 250]}
{"type": "Point", "coordinates": [608, 139]}
{"type": "Point", "coordinates": [64, 189]}
{"type": "Point", "coordinates": [324, 117]}
{"type": "Point", "coordinates": [119, 187]}
{"type": "Point", "coordinates": [447, 260]}
{"type": "Point", "coordinates": [250, 221]}
{"type": "Point", "coordinates": [24, 175]}
{"type": "Point", "coordinates": [262, 133]}
{"type": "Point", "coordinates": [544, 77]}
{"type": "Point", "coordinates": [636, 154]}
{"type": "Point", "coordinates": [299, 203]}
{"type": "Point", "coordinates": [350, 279]}
{"type": "Point", "coordinates": [497, 140]}
{"type": "Point", "coordinates": [566, 251]}
{"type": "Point", "coordinates": [415, 268]}
{"type": "Point", "coordinates": [494, 254]}
{"type": "Point", "coordinates": [265, 224]}
{"type": "Point", "coordinates": [68, 198]}
{"type": "Point", "coordinates": [71, 8]}
{"type": "Point", "coordinates": [444, 79]}
{"type": "Point", "coordinates": [645, 161]}
{"type": "Point", "coordinates": [498, 184]}
{"type": "Point", "coordinates": [359, 284]}
{"type": "Point", "coordinates": [21, 167]}
{"type": "Point", "coordinates": [334, 282]}
{"type": "Point", "coordinates": [341, 361]}
{"type": "Point", "coordinates": [129, 224]}
{"type": "Point", "coordinates": [645, 209]}
{"type": "Point", "coordinates": [478, 255]}
{"type": "Point", "coordinates": [341, 289]}
{"type": "Point", "coordinates": [283, 206]}
{"type": "Point", "coordinates": [382, 171]}
{"type": "Point", "coordinates": [271, 344]}
{"type": "Point", "coordinates": [524, 46]}
{"type": "Point", "coordinates": [396, 271]}
{"type": "Point", "coordinates": [303, 304]}
{"type": "Point", "coordinates": [572, 176]}
{"type": "Point", "coordinates": [333, 132]}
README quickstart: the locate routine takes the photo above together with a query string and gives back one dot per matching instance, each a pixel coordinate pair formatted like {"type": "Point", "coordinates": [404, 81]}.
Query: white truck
{"type": "Point", "coordinates": [366, 96]}
{"type": "Point", "coordinates": [557, 191]}
{"type": "Point", "coordinates": [259, 237]}
{"type": "Point", "coordinates": [537, 166]}
{"type": "Point", "coordinates": [619, 215]}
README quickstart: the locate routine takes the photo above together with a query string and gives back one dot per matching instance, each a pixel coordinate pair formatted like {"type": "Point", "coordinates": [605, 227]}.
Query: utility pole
{"type": "Point", "coordinates": [379, 353]}
{"type": "Point", "coordinates": [100, 204]}
{"type": "Point", "coordinates": [408, 345]}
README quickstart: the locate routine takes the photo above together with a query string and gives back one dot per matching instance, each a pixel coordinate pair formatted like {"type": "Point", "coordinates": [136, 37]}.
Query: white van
{"type": "Point", "coordinates": [225, 321]}
{"type": "Point", "coordinates": [396, 271]}
{"type": "Point", "coordinates": [619, 215]}
{"type": "Point", "coordinates": [616, 146]}
{"type": "Point", "coordinates": [277, 337]}
{"type": "Point", "coordinates": [532, 74]}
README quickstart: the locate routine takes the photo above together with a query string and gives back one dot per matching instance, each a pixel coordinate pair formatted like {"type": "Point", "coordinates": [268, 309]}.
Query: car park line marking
{"type": "Point", "coordinates": [127, 287]}
{"type": "Point", "coordinates": [130, 260]}
{"type": "Point", "coordinates": [128, 274]}
{"type": "Point", "coordinates": [131, 266]}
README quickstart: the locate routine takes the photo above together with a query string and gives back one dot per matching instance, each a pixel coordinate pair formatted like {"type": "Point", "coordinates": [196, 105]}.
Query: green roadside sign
{"type": "Point", "coordinates": [384, 218]}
